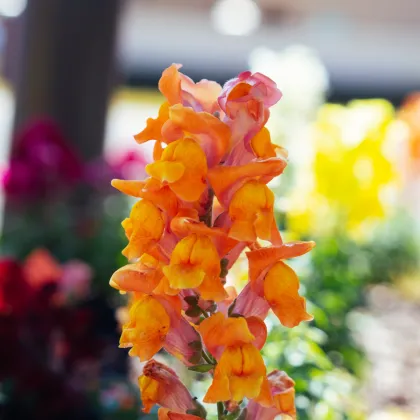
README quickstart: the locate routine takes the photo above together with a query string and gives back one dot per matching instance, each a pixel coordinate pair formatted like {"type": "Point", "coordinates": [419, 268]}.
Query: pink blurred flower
{"type": "Point", "coordinates": [41, 162]}
{"type": "Point", "coordinates": [75, 280]}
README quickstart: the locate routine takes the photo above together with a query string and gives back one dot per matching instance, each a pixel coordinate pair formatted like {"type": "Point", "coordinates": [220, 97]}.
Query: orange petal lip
{"type": "Point", "coordinates": [262, 259]}
{"type": "Point", "coordinates": [281, 290]}
{"type": "Point", "coordinates": [153, 130]}
{"type": "Point", "coordinates": [223, 177]}
{"type": "Point", "coordinates": [184, 225]}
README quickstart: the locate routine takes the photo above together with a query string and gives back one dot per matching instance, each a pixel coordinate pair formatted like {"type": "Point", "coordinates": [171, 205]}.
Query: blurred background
{"type": "Point", "coordinates": [79, 78]}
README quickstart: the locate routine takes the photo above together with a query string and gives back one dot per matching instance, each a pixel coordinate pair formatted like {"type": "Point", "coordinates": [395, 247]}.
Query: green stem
{"type": "Point", "coordinates": [206, 315]}
{"type": "Point", "coordinates": [220, 410]}
{"type": "Point", "coordinates": [206, 357]}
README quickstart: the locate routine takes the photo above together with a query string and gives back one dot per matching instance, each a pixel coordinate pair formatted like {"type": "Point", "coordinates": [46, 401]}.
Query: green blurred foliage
{"type": "Point", "coordinates": [322, 356]}
{"type": "Point", "coordinates": [93, 235]}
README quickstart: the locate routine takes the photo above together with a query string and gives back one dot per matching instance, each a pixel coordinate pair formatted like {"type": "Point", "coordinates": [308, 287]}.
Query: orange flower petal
{"type": "Point", "coordinates": [185, 224]}
{"type": "Point", "coordinates": [193, 260]}
{"type": "Point", "coordinates": [152, 190]}
{"type": "Point", "coordinates": [183, 276]}
{"type": "Point", "coordinates": [164, 288]}
{"type": "Point", "coordinates": [170, 84]}
{"type": "Point", "coordinates": [223, 177]}
{"type": "Point", "coordinates": [218, 390]}
{"type": "Point", "coordinates": [143, 276]}
{"type": "Point", "coordinates": [146, 331]}
{"type": "Point", "coordinates": [281, 286]}
{"type": "Point", "coordinates": [283, 392]}
{"type": "Point", "coordinates": [183, 166]}
{"type": "Point", "coordinates": [239, 374]}
{"type": "Point", "coordinates": [251, 212]}
{"type": "Point", "coordinates": [265, 398]}
{"type": "Point", "coordinates": [261, 144]}
{"type": "Point", "coordinates": [149, 389]}
{"type": "Point", "coordinates": [153, 130]}
{"type": "Point", "coordinates": [146, 226]}
{"type": "Point", "coordinates": [180, 89]}
{"type": "Point", "coordinates": [218, 331]}
{"type": "Point", "coordinates": [166, 171]}
{"type": "Point", "coordinates": [132, 188]}
{"type": "Point", "coordinates": [262, 259]}
{"type": "Point", "coordinates": [210, 133]}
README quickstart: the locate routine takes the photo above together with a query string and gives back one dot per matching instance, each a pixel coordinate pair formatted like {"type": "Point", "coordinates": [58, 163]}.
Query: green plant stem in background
{"type": "Point", "coordinates": [220, 410]}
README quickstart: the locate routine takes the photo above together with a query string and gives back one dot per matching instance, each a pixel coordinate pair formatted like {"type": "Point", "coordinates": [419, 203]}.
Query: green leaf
{"type": "Point", "coordinates": [201, 368]}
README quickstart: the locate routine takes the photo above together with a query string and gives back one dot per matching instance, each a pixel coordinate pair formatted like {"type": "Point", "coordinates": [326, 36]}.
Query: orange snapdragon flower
{"type": "Point", "coordinates": [143, 228]}
{"type": "Point", "coordinates": [195, 264]}
{"type": "Point", "coordinates": [271, 278]}
{"type": "Point", "coordinates": [240, 371]}
{"type": "Point", "coordinates": [206, 200]}
{"type": "Point", "coordinates": [155, 322]}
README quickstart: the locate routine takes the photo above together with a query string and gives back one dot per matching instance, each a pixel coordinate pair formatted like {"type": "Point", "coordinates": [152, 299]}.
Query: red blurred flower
{"type": "Point", "coordinates": [15, 292]}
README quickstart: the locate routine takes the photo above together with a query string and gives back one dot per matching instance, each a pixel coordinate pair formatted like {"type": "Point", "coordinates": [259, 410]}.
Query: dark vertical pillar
{"type": "Point", "coordinates": [67, 67]}
{"type": "Point", "coordinates": [65, 70]}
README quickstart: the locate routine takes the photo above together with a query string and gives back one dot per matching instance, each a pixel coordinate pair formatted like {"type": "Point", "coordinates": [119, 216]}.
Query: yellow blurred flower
{"type": "Point", "coordinates": [351, 175]}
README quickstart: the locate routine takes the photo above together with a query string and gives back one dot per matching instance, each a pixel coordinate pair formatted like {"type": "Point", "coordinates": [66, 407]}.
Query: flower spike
{"type": "Point", "coordinates": [206, 201]}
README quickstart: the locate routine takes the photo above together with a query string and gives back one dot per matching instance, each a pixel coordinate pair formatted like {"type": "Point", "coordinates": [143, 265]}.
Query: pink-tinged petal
{"type": "Point", "coordinates": [224, 305]}
{"type": "Point", "coordinates": [248, 303]}
{"type": "Point", "coordinates": [283, 404]}
{"type": "Point", "coordinates": [202, 95]}
{"type": "Point", "coordinates": [248, 87]}
{"type": "Point", "coordinates": [178, 342]}
{"type": "Point", "coordinates": [255, 411]}
{"type": "Point", "coordinates": [165, 414]}
{"type": "Point", "coordinates": [180, 89]}
{"type": "Point", "coordinates": [258, 330]}
{"type": "Point", "coordinates": [167, 244]}
{"type": "Point", "coordinates": [227, 247]}
{"type": "Point", "coordinates": [159, 384]}
{"type": "Point", "coordinates": [261, 260]}
{"type": "Point", "coordinates": [234, 254]}
{"type": "Point", "coordinates": [246, 100]}
{"type": "Point", "coordinates": [181, 333]}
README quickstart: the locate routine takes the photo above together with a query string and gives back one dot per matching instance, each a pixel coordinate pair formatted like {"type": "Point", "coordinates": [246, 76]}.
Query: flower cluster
{"type": "Point", "coordinates": [206, 201]}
